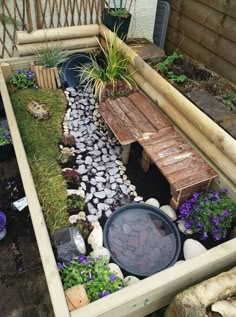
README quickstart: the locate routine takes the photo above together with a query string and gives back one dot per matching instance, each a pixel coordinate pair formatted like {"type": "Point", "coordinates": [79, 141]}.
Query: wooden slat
{"type": "Point", "coordinates": [138, 119]}
{"type": "Point", "coordinates": [148, 110]}
{"type": "Point", "coordinates": [118, 114]}
{"type": "Point", "coordinates": [125, 137]}
{"type": "Point", "coordinates": [195, 179]}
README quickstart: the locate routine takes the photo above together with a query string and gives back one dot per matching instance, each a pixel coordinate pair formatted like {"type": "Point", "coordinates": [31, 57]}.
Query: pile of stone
{"type": "Point", "coordinates": [104, 183]}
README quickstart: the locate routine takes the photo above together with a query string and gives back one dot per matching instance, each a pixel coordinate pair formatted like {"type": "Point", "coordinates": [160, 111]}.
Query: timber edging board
{"type": "Point", "coordinates": [138, 300]}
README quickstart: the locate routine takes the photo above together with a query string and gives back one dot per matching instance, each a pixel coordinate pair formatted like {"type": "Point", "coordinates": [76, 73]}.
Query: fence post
{"type": "Point", "coordinates": [38, 14]}
{"type": "Point", "coordinates": [29, 16]}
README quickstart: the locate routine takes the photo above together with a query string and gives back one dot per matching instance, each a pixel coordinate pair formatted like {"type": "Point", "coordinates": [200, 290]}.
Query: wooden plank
{"type": "Point", "coordinates": [227, 7]}
{"type": "Point", "coordinates": [118, 114]}
{"type": "Point", "coordinates": [198, 32]}
{"type": "Point", "coordinates": [162, 135]}
{"type": "Point", "coordinates": [169, 165]}
{"type": "Point", "coordinates": [195, 178]}
{"type": "Point", "coordinates": [135, 116]}
{"type": "Point", "coordinates": [212, 19]}
{"type": "Point", "coordinates": [125, 137]}
{"type": "Point", "coordinates": [168, 144]}
{"type": "Point", "coordinates": [149, 110]}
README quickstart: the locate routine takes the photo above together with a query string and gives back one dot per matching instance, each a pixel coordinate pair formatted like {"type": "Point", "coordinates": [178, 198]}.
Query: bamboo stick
{"type": "Point", "coordinates": [57, 77]}
{"type": "Point", "coordinates": [217, 156]}
{"type": "Point", "coordinates": [6, 70]}
{"type": "Point", "coordinates": [37, 76]}
{"type": "Point", "coordinates": [45, 80]}
{"type": "Point", "coordinates": [54, 85]}
{"type": "Point", "coordinates": [49, 79]}
{"type": "Point", "coordinates": [29, 49]}
{"type": "Point", "coordinates": [223, 141]}
{"type": "Point", "coordinates": [57, 34]}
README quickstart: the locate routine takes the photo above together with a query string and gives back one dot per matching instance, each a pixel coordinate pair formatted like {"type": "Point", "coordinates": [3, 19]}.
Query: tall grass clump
{"type": "Point", "coordinates": [116, 68]}
{"type": "Point", "coordinates": [41, 140]}
{"type": "Point", "coordinates": [51, 55]}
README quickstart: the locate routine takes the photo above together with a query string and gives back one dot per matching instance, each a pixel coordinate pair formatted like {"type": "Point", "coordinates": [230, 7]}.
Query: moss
{"type": "Point", "coordinates": [41, 140]}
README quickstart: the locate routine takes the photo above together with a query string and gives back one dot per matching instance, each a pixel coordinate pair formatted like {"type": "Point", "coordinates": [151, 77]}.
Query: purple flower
{"type": "Point", "coordinates": [216, 220]}
{"type": "Point", "coordinates": [83, 259]}
{"type": "Point", "coordinates": [113, 277]}
{"type": "Point", "coordinates": [60, 265]}
{"type": "Point", "coordinates": [188, 224]}
{"type": "Point", "coordinates": [205, 235]}
{"type": "Point", "coordinates": [225, 213]}
{"type": "Point", "coordinates": [104, 293]}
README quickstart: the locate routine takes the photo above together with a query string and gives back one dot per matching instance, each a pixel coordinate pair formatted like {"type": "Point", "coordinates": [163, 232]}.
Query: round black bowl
{"type": "Point", "coordinates": [142, 239]}
{"type": "Point", "coordinates": [71, 76]}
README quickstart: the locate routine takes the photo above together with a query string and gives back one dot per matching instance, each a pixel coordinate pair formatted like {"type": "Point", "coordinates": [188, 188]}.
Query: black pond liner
{"type": "Point", "coordinates": [70, 76]}
{"type": "Point", "coordinates": [151, 241]}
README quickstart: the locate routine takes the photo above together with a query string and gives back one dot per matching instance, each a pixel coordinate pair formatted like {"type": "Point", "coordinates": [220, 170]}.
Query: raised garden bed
{"type": "Point", "coordinates": [157, 290]}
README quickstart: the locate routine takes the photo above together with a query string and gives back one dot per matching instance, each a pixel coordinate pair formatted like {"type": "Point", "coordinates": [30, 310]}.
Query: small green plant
{"type": "Point", "coordinates": [5, 137]}
{"type": "Point", "coordinates": [120, 13]}
{"type": "Point", "coordinates": [22, 79]}
{"type": "Point", "coordinates": [209, 215]}
{"type": "Point", "coordinates": [75, 203]}
{"type": "Point", "coordinates": [66, 155]}
{"type": "Point", "coordinates": [230, 98]}
{"type": "Point", "coordinates": [72, 177]}
{"type": "Point", "coordinates": [115, 69]}
{"type": "Point", "coordinates": [163, 66]}
{"type": "Point", "coordinates": [51, 55]}
{"type": "Point", "coordinates": [94, 274]}
{"type": "Point", "coordinates": [177, 78]}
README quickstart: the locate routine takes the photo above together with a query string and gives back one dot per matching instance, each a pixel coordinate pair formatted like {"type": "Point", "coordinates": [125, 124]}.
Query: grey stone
{"type": "Point", "coordinates": [109, 201]}
{"type": "Point", "coordinates": [108, 213]}
{"type": "Point", "coordinates": [100, 186]}
{"type": "Point", "coordinates": [125, 190]}
{"type": "Point", "coordinates": [95, 201]}
{"type": "Point", "coordinates": [119, 180]}
{"type": "Point", "coordinates": [109, 193]}
{"type": "Point", "coordinates": [100, 195]}
{"type": "Point", "coordinates": [113, 171]}
{"type": "Point", "coordinates": [100, 179]}
{"type": "Point", "coordinates": [105, 158]}
{"type": "Point", "coordinates": [114, 186]}
{"type": "Point", "coordinates": [84, 178]}
{"type": "Point", "coordinates": [102, 206]}
{"type": "Point", "coordinates": [83, 185]}
{"type": "Point", "coordinates": [88, 160]}
{"type": "Point", "coordinates": [92, 190]}
{"type": "Point", "coordinates": [93, 182]}
{"type": "Point", "coordinates": [82, 170]}
{"type": "Point", "coordinates": [88, 197]}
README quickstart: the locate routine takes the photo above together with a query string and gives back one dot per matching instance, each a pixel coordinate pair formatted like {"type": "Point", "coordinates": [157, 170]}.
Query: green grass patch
{"type": "Point", "coordinates": [41, 140]}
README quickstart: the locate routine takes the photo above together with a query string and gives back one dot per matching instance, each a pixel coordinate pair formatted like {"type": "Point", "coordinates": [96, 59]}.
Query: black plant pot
{"type": "Point", "coordinates": [5, 152]}
{"type": "Point", "coordinates": [117, 24]}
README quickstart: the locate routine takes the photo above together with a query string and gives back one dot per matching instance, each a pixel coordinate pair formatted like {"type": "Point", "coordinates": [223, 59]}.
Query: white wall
{"type": "Point", "coordinates": [143, 19]}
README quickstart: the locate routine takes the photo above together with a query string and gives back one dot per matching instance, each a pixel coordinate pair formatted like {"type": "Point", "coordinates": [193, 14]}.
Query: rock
{"type": "Point", "coordinates": [96, 236]}
{"type": "Point", "coordinates": [82, 170]}
{"type": "Point", "coordinates": [100, 195]}
{"type": "Point", "coordinates": [105, 158]}
{"type": "Point", "coordinates": [153, 202]}
{"type": "Point", "coordinates": [109, 193]}
{"type": "Point", "coordinates": [131, 280]}
{"type": "Point", "coordinates": [73, 219]}
{"type": "Point", "coordinates": [108, 213]}
{"type": "Point", "coordinates": [169, 211]}
{"type": "Point", "coordinates": [138, 199]}
{"type": "Point", "coordinates": [125, 190]}
{"type": "Point", "coordinates": [114, 268]}
{"type": "Point", "coordinates": [182, 228]}
{"type": "Point", "coordinates": [192, 248]}
{"type": "Point", "coordinates": [101, 252]}
{"type": "Point", "coordinates": [92, 218]}
{"type": "Point", "coordinates": [102, 206]}
{"type": "Point", "coordinates": [113, 171]}
{"type": "Point", "coordinates": [100, 179]}
{"type": "Point", "coordinates": [88, 160]}
{"type": "Point", "coordinates": [88, 197]}
{"type": "Point", "coordinates": [82, 215]}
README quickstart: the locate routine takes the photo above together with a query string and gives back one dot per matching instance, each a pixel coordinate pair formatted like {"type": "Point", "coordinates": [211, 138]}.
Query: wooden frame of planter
{"type": "Point", "coordinates": [158, 290]}
{"type": "Point", "coordinates": [46, 78]}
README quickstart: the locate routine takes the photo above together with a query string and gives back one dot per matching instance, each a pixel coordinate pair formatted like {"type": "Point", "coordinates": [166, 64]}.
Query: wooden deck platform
{"type": "Point", "coordinates": [136, 119]}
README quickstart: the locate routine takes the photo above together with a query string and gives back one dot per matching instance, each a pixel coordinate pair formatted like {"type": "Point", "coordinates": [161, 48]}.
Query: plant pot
{"type": "Point", "coordinates": [5, 152]}
{"type": "Point", "coordinates": [76, 297]}
{"type": "Point", "coordinates": [117, 24]}
{"type": "Point", "coordinates": [46, 78]}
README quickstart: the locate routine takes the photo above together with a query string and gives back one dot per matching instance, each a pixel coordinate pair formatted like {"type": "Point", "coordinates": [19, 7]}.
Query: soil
{"type": "Point", "coordinates": [203, 80]}
{"type": "Point", "coordinates": [23, 288]}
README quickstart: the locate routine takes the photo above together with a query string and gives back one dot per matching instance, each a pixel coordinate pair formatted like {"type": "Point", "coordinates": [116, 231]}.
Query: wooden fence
{"type": "Point", "coordinates": [42, 14]}
{"type": "Point", "coordinates": [205, 30]}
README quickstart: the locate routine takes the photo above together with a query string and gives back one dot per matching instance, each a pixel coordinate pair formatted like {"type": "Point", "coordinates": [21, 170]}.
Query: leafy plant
{"type": "Point", "coordinates": [94, 274]}
{"type": "Point", "coordinates": [75, 203]}
{"type": "Point", "coordinates": [230, 98]}
{"type": "Point", "coordinates": [5, 137]}
{"type": "Point", "coordinates": [71, 176]}
{"type": "Point", "coordinates": [116, 68]}
{"type": "Point", "coordinates": [120, 13]}
{"type": "Point", "coordinates": [66, 154]}
{"type": "Point", "coordinates": [177, 78]}
{"type": "Point", "coordinates": [68, 140]}
{"type": "Point", "coordinates": [22, 79]}
{"type": "Point", "coordinates": [163, 66]}
{"type": "Point", "coordinates": [120, 90]}
{"type": "Point", "coordinates": [209, 215]}
{"type": "Point", "coordinates": [51, 55]}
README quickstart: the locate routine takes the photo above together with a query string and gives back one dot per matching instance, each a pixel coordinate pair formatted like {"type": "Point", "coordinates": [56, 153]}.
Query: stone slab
{"type": "Point", "coordinates": [147, 50]}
